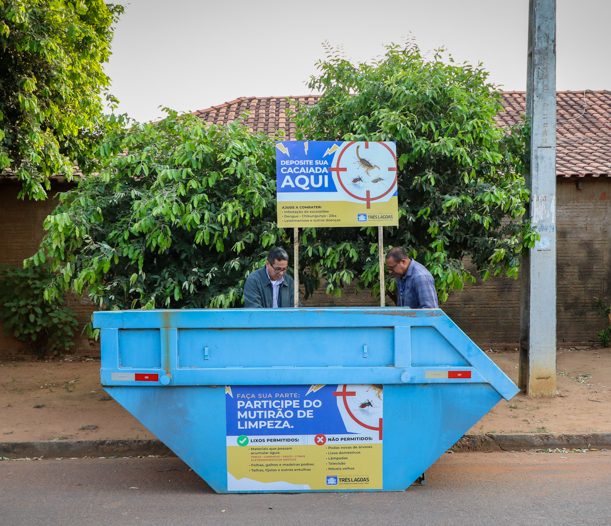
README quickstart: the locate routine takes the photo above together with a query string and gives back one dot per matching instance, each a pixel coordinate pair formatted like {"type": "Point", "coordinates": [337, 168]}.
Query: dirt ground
{"type": "Point", "coordinates": [63, 400]}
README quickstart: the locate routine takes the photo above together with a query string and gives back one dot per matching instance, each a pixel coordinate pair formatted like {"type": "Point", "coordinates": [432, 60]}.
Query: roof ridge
{"type": "Point", "coordinates": [317, 96]}
{"type": "Point", "coordinates": [582, 133]}
{"type": "Point", "coordinates": [222, 105]}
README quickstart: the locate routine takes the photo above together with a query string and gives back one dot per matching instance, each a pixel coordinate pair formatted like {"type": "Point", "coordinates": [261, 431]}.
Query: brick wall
{"type": "Point", "coordinates": [487, 312]}
{"type": "Point", "coordinates": [20, 234]}
{"type": "Point", "coordinates": [584, 257]}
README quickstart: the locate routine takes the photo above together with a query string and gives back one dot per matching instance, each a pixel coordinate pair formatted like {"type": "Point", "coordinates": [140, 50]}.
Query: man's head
{"type": "Point", "coordinates": [397, 262]}
{"type": "Point", "coordinates": [277, 263]}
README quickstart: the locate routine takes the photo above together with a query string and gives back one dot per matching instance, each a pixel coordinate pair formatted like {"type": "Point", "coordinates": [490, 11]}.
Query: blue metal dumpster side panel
{"type": "Point", "coordinates": [420, 423]}
{"type": "Point", "coordinates": [191, 421]}
{"type": "Point", "coordinates": [209, 347]}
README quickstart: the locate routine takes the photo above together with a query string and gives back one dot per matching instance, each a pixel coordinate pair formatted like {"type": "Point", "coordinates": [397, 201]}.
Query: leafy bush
{"type": "Point", "coordinates": [182, 211]}
{"type": "Point", "coordinates": [604, 336]}
{"type": "Point", "coordinates": [45, 326]}
{"type": "Point", "coordinates": [178, 216]}
{"type": "Point", "coordinates": [462, 192]}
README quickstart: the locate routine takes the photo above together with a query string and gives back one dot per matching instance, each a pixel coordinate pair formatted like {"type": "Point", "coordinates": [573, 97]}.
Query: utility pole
{"type": "Point", "coordinates": [537, 375]}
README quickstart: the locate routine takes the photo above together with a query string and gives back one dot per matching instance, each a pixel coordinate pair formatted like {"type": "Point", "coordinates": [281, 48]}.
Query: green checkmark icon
{"type": "Point", "coordinates": [242, 440]}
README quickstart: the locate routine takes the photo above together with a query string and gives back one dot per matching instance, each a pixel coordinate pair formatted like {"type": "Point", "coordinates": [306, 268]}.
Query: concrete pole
{"type": "Point", "coordinates": [537, 375]}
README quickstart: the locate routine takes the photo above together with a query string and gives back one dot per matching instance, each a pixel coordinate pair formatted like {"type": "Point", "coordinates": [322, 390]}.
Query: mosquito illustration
{"type": "Point", "coordinates": [358, 179]}
{"type": "Point", "coordinates": [377, 180]}
{"type": "Point", "coordinates": [366, 403]}
{"type": "Point", "coordinates": [364, 163]}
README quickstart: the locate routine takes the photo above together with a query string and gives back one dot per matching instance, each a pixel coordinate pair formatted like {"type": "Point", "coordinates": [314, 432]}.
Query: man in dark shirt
{"type": "Point", "coordinates": [415, 285]}
{"type": "Point", "coordinates": [270, 287]}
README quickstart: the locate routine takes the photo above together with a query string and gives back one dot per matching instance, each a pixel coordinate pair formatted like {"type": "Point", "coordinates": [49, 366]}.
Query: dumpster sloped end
{"type": "Point", "coordinates": [189, 420]}
{"type": "Point", "coordinates": [476, 358]}
{"type": "Point", "coordinates": [422, 422]}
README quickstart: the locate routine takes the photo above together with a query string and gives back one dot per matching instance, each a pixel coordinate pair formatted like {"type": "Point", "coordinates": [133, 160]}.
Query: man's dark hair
{"type": "Point", "coordinates": [397, 254]}
{"type": "Point", "coordinates": [277, 254]}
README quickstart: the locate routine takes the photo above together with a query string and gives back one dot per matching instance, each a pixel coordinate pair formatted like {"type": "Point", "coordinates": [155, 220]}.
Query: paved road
{"type": "Point", "coordinates": [465, 488]}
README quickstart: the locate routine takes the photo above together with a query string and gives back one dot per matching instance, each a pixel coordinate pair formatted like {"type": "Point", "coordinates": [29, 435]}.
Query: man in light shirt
{"type": "Point", "coordinates": [270, 286]}
{"type": "Point", "coordinates": [415, 285]}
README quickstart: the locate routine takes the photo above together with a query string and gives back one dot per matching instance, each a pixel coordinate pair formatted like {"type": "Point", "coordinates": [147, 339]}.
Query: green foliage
{"type": "Point", "coordinates": [53, 86]}
{"type": "Point", "coordinates": [177, 217]}
{"type": "Point", "coordinates": [46, 326]}
{"type": "Point", "coordinates": [604, 336]}
{"type": "Point", "coordinates": [182, 211]}
{"type": "Point", "coordinates": [462, 193]}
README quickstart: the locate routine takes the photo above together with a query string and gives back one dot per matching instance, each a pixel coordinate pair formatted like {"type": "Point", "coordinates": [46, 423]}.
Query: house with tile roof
{"type": "Point", "coordinates": [488, 312]}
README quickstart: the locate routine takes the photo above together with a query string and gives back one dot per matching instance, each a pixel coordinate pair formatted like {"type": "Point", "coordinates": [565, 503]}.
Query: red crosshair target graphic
{"type": "Point", "coordinates": [368, 198]}
{"type": "Point", "coordinates": [344, 394]}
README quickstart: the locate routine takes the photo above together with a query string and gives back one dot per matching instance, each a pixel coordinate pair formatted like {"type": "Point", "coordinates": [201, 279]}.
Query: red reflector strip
{"type": "Point", "coordinates": [141, 377]}
{"type": "Point", "coordinates": [459, 374]}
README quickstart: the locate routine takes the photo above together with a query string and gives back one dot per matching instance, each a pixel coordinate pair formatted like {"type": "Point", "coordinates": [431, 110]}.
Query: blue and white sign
{"type": "Point", "coordinates": [336, 183]}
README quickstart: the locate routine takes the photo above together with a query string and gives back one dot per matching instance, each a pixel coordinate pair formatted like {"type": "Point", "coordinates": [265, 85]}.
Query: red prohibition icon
{"type": "Point", "coordinates": [320, 439]}
{"type": "Point", "coordinates": [367, 172]}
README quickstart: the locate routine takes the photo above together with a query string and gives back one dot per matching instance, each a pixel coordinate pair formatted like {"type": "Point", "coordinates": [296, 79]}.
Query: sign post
{"type": "Point", "coordinates": [296, 266]}
{"type": "Point", "coordinates": [381, 265]}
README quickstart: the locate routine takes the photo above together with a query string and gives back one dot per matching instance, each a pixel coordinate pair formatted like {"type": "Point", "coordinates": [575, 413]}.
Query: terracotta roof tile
{"type": "Point", "coordinates": [583, 132]}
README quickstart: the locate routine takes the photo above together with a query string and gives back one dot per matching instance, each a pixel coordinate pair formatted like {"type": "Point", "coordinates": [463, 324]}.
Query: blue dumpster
{"type": "Point", "coordinates": [308, 399]}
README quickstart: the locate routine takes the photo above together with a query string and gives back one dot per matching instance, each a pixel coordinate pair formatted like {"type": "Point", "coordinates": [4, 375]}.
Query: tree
{"type": "Point", "coordinates": [179, 214]}
{"type": "Point", "coordinates": [462, 192]}
{"type": "Point", "coordinates": [52, 87]}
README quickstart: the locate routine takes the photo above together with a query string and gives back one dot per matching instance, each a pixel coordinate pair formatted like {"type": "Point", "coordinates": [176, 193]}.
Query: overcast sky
{"type": "Point", "coordinates": [192, 54]}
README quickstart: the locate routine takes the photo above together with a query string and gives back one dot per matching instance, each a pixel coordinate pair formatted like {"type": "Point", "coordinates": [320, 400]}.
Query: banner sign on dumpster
{"type": "Point", "coordinates": [336, 184]}
{"type": "Point", "coordinates": [304, 437]}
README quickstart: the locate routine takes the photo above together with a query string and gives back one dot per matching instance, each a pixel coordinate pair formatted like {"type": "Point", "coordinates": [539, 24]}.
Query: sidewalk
{"type": "Point", "coordinates": [58, 408]}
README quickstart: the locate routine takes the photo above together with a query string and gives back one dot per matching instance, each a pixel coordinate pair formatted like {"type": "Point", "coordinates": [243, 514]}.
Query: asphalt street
{"type": "Point", "coordinates": [562, 487]}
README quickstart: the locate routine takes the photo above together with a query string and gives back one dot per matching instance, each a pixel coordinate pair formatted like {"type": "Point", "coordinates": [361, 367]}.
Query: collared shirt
{"type": "Point", "coordinates": [416, 288]}
{"type": "Point", "coordinates": [275, 290]}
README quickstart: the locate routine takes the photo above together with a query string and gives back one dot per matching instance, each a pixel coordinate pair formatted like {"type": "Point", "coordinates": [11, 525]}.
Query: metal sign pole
{"type": "Point", "coordinates": [296, 265]}
{"type": "Point", "coordinates": [381, 265]}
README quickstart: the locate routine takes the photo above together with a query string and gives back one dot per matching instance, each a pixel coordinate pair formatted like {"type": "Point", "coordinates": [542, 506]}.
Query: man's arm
{"type": "Point", "coordinates": [427, 295]}
{"type": "Point", "coordinates": [252, 294]}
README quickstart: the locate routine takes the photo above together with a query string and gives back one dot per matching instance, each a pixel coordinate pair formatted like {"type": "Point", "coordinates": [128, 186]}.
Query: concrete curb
{"type": "Point", "coordinates": [522, 441]}
{"type": "Point", "coordinates": [83, 448]}
{"type": "Point", "coordinates": [135, 448]}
